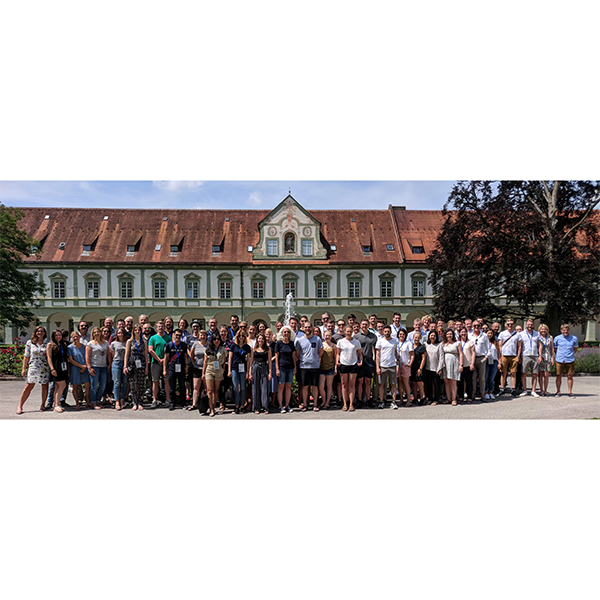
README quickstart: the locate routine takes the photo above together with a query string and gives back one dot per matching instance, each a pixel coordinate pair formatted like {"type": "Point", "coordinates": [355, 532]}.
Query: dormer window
{"type": "Point", "coordinates": [216, 249]}
{"type": "Point", "coordinates": [176, 248]}
{"type": "Point", "coordinates": [416, 245]}
{"type": "Point", "coordinates": [130, 248]}
{"type": "Point", "coordinates": [87, 248]}
{"type": "Point", "coordinates": [272, 247]}
{"type": "Point", "coordinates": [366, 250]}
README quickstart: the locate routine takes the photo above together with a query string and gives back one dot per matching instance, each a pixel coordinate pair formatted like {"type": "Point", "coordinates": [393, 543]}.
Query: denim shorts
{"type": "Point", "coordinates": [287, 375]}
{"type": "Point", "coordinates": [328, 372]}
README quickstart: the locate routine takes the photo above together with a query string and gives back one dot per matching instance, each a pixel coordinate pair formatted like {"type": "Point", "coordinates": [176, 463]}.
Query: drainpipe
{"type": "Point", "coordinates": [242, 292]}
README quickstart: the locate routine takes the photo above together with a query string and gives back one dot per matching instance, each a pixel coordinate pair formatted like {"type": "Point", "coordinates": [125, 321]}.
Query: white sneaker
{"type": "Point", "coordinates": [282, 410]}
{"type": "Point", "coordinates": [492, 397]}
{"type": "Point", "coordinates": [523, 394]}
{"type": "Point", "coordinates": [486, 397]}
{"type": "Point", "coordinates": [394, 406]}
{"type": "Point", "coordinates": [535, 394]}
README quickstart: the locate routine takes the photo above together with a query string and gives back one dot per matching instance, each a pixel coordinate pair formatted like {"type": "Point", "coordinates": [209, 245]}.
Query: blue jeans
{"type": "Point", "coordinates": [239, 380]}
{"type": "Point", "coordinates": [119, 380]}
{"type": "Point", "coordinates": [490, 374]}
{"type": "Point", "coordinates": [98, 383]}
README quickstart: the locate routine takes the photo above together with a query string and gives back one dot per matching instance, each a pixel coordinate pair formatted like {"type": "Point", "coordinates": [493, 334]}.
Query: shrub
{"type": "Point", "coordinates": [587, 360]}
{"type": "Point", "coordinates": [11, 358]}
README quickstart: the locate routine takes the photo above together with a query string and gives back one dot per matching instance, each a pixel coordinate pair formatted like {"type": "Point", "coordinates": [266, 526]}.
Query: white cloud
{"type": "Point", "coordinates": [177, 186]}
{"type": "Point", "coordinates": [255, 199]}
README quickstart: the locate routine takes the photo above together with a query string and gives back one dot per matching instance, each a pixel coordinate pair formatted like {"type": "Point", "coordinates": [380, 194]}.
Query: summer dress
{"type": "Point", "coordinates": [451, 361]}
{"type": "Point", "coordinates": [38, 370]}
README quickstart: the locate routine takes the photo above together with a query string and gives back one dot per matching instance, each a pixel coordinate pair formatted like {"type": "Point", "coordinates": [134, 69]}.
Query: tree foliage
{"type": "Point", "coordinates": [519, 248]}
{"type": "Point", "coordinates": [18, 288]}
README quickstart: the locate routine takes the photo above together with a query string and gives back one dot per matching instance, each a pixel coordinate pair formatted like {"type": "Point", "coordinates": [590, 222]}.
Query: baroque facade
{"type": "Point", "coordinates": [200, 264]}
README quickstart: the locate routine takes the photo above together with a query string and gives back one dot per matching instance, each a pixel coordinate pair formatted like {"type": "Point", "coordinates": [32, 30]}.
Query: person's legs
{"type": "Point", "coordinates": [351, 386]}
{"type": "Point", "coordinates": [322, 390]}
{"type": "Point", "coordinates": [570, 383]}
{"type": "Point", "coordinates": [235, 380]}
{"type": "Point", "coordinates": [117, 371]}
{"type": "Point", "coordinates": [329, 389]}
{"type": "Point", "coordinates": [50, 396]}
{"type": "Point", "coordinates": [58, 390]}
{"type": "Point", "coordinates": [344, 383]}
{"type": "Point", "coordinates": [288, 395]}
{"type": "Point", "coordinates": [558, 377]}
{"type": "Point", "coordinates": [24, 395]}
{"type": "Point", "coordinates": [264, 391]}
{"type": "Point", "coordinates": [480, 367]}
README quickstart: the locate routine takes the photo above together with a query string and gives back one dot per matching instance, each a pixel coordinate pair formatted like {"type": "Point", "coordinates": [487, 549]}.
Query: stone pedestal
{"type": "Point", "coordinates": [590, 331]}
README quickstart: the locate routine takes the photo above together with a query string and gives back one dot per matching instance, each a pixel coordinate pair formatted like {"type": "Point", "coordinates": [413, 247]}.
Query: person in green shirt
{"type": "Point", "coordinates": [156, 349]}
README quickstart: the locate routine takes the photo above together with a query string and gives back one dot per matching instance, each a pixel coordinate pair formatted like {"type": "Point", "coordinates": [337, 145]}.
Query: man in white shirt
{"type": "Point", "coordinates": [482, 345]}
{"type": "Point", "coordinates": [397, 324]}
{"type": "Point", "coordinates": [84, 333]}
{"type": "Point", "coordinates": [510, 361]}
{"type": "Point", "coordinates": [527, 352]}
{"type": "Point", "coordinates": [324, 320]}
{"type": "Point", "coordinates": [386, 360]}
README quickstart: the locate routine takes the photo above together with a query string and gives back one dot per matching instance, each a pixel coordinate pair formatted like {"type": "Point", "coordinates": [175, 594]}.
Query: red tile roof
{"type": "Point", "coordinates": [417, 228]}
{"type": "Point", "coordinates": [199, 230]}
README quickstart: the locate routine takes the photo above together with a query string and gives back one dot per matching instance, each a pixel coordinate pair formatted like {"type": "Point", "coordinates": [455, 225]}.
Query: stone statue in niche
{"type": "Point", "coordinates": [289, 243]}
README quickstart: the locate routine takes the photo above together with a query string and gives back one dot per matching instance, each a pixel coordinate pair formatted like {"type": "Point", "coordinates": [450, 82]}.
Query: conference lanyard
{"type": "Point", "coordinates": [530, 336]}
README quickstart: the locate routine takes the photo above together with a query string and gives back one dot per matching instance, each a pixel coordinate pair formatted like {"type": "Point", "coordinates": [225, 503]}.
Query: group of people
{"type": "Point", "coordinates": [356, 363]}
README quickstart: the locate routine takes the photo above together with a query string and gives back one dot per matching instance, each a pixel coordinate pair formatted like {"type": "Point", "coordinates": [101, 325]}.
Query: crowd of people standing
{"type": "Point", "coordinates": [352, 363]}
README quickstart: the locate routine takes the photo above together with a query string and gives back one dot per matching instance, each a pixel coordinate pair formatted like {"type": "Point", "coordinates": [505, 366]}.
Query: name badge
{"type": "Point", "coordinates": [63, 366]}
{"type": "Point", "coordinates": [241, 368]}
{"type": "Point", "coordinates": [216, 364]}
{"type": "Point", "coordinates": [138, 364]}
{"type": "Point", "coordinates": [529, 352]}
{"type": "Point", "coordinates": [177, 368]}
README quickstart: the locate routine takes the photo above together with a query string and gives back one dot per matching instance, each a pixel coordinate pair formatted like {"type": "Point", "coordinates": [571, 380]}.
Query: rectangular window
{"type": "Point", "coordinates": [272, 248]}
{"type": "Point", "coordinates": [307, 248]}
{"type": "Point", "coordinates": [225, 290]}
{"type": "Point", "coordinates": [418, 289]}
{"type": "Point", "coordinates": [87, 248]}
{"type": "Point", "coordinates": [418, 250]}
{"type": "Point", "coordinates": [322, 289]}
{"type": "Point", "coordinates": [386, 289]}
{"type": "Point", "coordinates": [258, 290]}
{"type": "Point", "coordinates": [126, 289]}
{"type": "Point", "coordinates": [59, 290]}
{"type": "Point", "coordinates": [366, 250]}
{"type": "Point", "coordinates": [192, 290]}
{"type": "Point", "coordinates": [216, 249]}
{"type": "Point", "coordinates": [93, 289]}
{"type": "Point", "coordinates": [354, 289]}
{"type": "Point", "coordinates": [174, 250]}
{"type": "Point", "coordinates": [130, 248]}
{"type": "Point", "coordinates": [290, 288]}
{"type": "Point", "coordinates": [160, 289]}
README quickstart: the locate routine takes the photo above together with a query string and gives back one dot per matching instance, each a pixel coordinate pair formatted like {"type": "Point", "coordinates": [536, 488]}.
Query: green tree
{"type": "Point", "coordinates": [519, 248]}
{"type": "Point", "coordinates": [19, 289]}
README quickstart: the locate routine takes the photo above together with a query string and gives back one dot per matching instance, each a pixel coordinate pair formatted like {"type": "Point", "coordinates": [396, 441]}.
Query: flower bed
{"type": "Point", "coordinates": [11, 358]}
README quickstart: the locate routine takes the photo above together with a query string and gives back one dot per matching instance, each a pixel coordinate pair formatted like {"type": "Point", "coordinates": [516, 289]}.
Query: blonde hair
{"type": "Point", "coordinates": [544, 326]}
{"type": "Point", "coordinates": [101, 340]}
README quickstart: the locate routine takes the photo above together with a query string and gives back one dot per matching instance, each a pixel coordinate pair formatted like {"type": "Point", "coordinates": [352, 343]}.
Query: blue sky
{"type": "Point", "coordinates": [226, 194]}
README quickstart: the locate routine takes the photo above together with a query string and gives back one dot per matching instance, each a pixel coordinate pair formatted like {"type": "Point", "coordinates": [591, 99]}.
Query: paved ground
{"type": "Point", "coordinates": [585, 405]}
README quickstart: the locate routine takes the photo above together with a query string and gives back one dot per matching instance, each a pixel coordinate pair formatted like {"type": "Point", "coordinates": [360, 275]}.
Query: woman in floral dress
{"type": "Point", "coordinates": [35, 366]}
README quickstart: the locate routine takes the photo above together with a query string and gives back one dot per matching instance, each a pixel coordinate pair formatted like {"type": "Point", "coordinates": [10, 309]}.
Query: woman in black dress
{"type": "Point", "coordinates": [58, 360]}
{"type": "Point", "coordinates": [417, 368]}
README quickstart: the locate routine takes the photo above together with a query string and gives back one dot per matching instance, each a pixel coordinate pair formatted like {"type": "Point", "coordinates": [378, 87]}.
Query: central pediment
{"type": "Point", "coordinates": [289, 232]}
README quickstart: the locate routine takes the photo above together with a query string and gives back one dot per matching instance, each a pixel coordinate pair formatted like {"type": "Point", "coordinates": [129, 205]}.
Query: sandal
{"type": "Point", "coordinates": [19, 411]}
{"type": "Point", "coordinates": [192, 408]}
{"type": "Point", "coordinates": [454, 403]}
{"type": "Point", "coordinates": [557, 395]}
{"type": "Point", "coordinates": [97, 407]}
{"type": "Point", "coordinates": [303, 409]}
{"type": "Point", "coordinates": [352, 409]}
{"type": "Point", "coordinates": [316, 409]}
{"type": "Point", "coordinates": [571, 395]}
{"type": "Point", "coordinates": [59, 409]}
{"type": "Point", "coordinates": [344, 408]}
